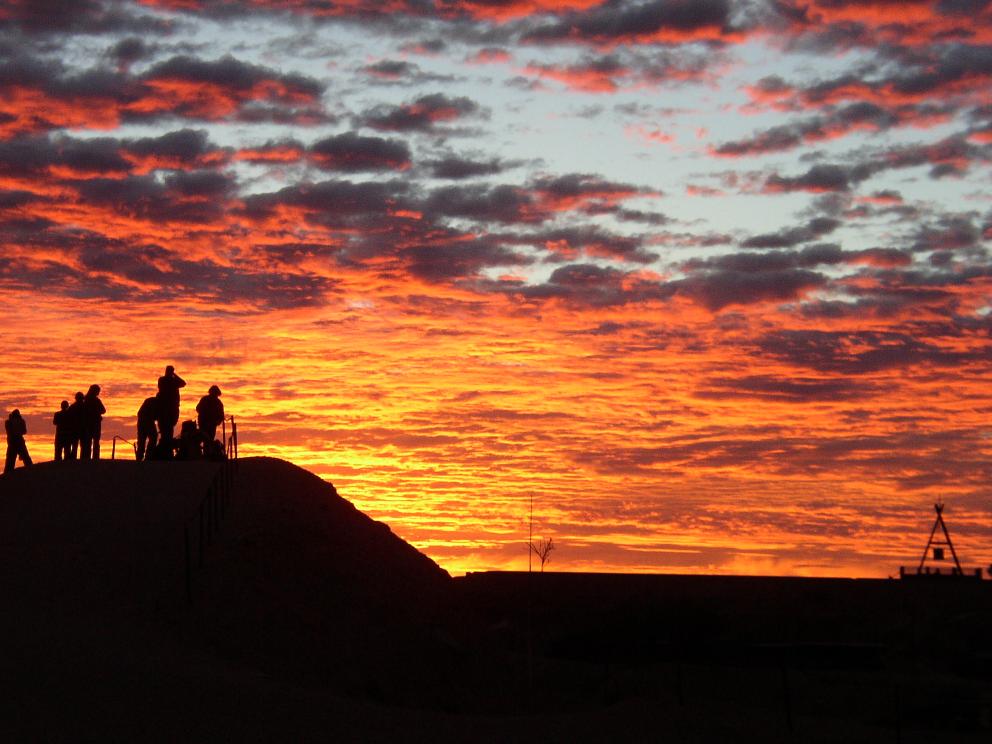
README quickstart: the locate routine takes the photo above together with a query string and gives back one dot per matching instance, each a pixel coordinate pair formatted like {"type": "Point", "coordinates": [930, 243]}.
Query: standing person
{"type": "Point", "coordinates": [16, 447]}
{"type": "Point", "coordinates": [63, 433]}
{"type": "Point", "coordinates": [75, 421]}
{"type": "Point", "coordinates": [210, 414]}
{"type": "Point", "coordinates": [93, 411]}
{"type": "Point", "coordinates": [168, 395]}
{"type": "Point", "coordinates": [147, 433]}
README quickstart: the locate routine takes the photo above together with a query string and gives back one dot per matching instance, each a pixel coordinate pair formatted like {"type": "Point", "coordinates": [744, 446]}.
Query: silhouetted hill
{"type": "Point", "coordinates": [310, 621]}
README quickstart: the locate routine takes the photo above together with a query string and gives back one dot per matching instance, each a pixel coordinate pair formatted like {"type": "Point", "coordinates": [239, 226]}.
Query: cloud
{"type": "Point", "coordinates": [421, 115]}
{"type": "Point", "coordinates": [216, 89]}
{"type": "Point", "coordinates": [457, 168]}
{"type": "Point", "coordinates": [816, 228]}
{"type": "Point", "coordinates": [718, 289]}
{"type": "Point", "coordinates": [818, 179]}
{"type": "Point", "coordinates": [568, 243]}
{"type": "Point", "coordinates": [352, 152]}
{"type": "Point", "coordinates": [401, 72]}
{"type": "Point", "coordinates": [78, 16]}
{"type": "Point", "coordinates": [863, 352]}
{"type": "Point", "coordinates": [855, 116]}
{"type": "Point", "coordinates": [196, 197]}
{"type": "Point", "coordinates": [667, 21]}
{"type": "Point", "coordinates": [793, 389]}
{"type": "Point", "coordinates": [44, 95]}
{"type": "Point", "coordinates": [607, 73]}
{"type": "Point", "coordinates": [88, 265]}
{"type": "Point", "coordinates": [458, 260]}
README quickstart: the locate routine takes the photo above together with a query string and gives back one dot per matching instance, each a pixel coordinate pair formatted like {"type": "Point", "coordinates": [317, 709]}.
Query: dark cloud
{"type": "Point", "coordinates": [128, 51]}
{"type": "Point", "coordinates": [951, 232]}
{"type": "Point", "coordinates": [179, 198]}
{"type": "Point", "coordinates": [456, 168]}
{"type": "Point", "coordinates": [183, 148]}
{"type": "Point", "coordinates": [396, 72]}
{"type": "Point", "coordinates": [590, 240]}
{"type": "Point", "coordinates": [12, 199]}
{"type": "Point", "coordinates": [335, 204]}
{"type": "Point", "coordinates": [352, 152]}
{"type": "Point", "coordinates": [78, 16]}
{"type": "Point", "coordinates": [100, 156]}
{"type": "Point", "coordinates": [863, 352]}
{"type": "Point", "coordinates": [838, 123]}
{"type": "Point", "coordinates": [48, 95]}
{"type": "Point", "coordinates": [816, 228]}
{"type": "Point", "coordinates": [484, 203]}
{"type": "Point", "coordinates": [421, 115]}
{"type": "Point", "coordinates": [749, 263]}
{"type": "Point", "coordinates": [230, 74]}
{"type": "Point", "coordinates": [718, 289]}
{"type": "Point", "coordinates": [119, 271]}
{"type": "Point", "coordinates": [34, 156]}
{"type": "Point", "coordinates": [793, 389]}
{"type": "Point", "coordinates": [671, 20]}
{"type": "Point", "coordinates": [458, 260]}
{"type": "Point", "coordinates": [819, 178]}
{"type": "Point", "coordinates": [755, 448]}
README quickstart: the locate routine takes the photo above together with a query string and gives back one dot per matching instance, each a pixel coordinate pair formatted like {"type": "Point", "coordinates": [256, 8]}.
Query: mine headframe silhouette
{"type": "Point", "coordinates": [934, 551]}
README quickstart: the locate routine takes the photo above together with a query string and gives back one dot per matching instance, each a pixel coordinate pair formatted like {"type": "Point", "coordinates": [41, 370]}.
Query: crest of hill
{"type": "Point", "coordinates": [85, 532]}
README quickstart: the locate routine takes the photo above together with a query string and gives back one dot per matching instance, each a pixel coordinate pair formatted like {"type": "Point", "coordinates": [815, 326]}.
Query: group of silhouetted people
{"type": "Point", "coordinates": [77, 427]}
{"type": "Point", "coordinates": [77, 430]}
{"type": "Point", "coordinates": [159, 414]}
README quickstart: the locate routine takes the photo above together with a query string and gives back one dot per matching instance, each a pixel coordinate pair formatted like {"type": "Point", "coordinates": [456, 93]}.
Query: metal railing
{"type": "Point", "coordinates": [207, 519]}
{"type": "Point", "coordinates": [113, 446]}
{"type": "Point", "coordinates": [230, 444]}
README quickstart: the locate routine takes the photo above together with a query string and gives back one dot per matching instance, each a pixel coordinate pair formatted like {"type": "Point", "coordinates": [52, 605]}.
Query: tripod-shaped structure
{"type": "Point", "coordinates": [938, 545]}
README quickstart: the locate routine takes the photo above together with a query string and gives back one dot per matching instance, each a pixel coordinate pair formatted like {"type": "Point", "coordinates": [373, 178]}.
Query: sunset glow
{"type": "Point", "coordinates": [707, 282]}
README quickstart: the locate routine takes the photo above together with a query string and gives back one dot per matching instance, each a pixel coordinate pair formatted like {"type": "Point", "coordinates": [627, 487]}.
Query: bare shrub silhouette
{"type": "Point", "coordinates": [542, 549]}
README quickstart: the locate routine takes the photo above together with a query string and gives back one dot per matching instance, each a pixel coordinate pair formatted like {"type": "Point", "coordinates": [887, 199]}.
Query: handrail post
{"type": "Point", "coordinates": [113, 448]}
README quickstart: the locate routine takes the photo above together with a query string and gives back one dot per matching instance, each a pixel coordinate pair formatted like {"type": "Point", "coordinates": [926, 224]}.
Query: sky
{"type": "Point", "coordinates": [688, 287]}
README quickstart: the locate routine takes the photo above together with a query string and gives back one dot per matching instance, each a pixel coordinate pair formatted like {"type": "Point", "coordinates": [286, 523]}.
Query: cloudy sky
{"type": "Point", "coordinates": [707, 280]}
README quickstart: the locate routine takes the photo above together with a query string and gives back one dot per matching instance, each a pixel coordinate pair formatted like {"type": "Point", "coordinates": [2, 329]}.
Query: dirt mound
{"type": "Point", "coordinates": [296, 582]}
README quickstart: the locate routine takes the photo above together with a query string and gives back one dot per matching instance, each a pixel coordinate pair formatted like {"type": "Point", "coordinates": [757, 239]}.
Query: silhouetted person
{"type": "Point", "coordinates": [76, 421]}
{"type": "Point", "coordinates": [93, 411]}
{"type": "Point", "coordinates": [168, 395]}
{"type": "Point", "coordinates": [16, 447]}
{"type": "Point", "coordinates": [210, 413]}
{"type": "Point", "coordinates": [63, 433]}
{"type": "Point", "coordinates": [147, 433]}
{"type": "Point", "coordinates": [190, 442]}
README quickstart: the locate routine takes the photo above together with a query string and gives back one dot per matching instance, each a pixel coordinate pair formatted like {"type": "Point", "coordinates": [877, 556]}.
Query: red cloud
{"type": "Point", "coordinates": [277, 153]}
{"type": "Point", "coordinates": [585, 79]}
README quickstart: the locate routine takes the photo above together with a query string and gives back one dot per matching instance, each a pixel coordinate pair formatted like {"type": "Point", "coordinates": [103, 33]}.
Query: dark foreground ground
{"type": "Point", "coordinates": [306, 621]}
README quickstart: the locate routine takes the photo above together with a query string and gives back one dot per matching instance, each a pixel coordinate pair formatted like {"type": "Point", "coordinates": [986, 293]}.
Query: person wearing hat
{"type": "Point", "coordinates": [210, 414]}
{"type": "Point", "coordinates": [16, 447]}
